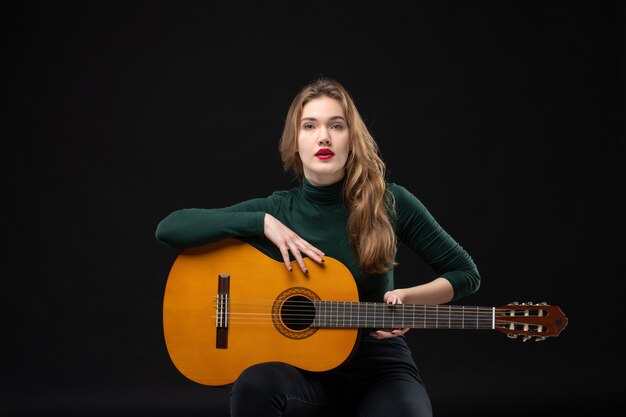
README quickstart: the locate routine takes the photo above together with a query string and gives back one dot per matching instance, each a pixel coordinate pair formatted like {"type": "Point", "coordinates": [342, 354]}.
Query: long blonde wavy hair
{"type": "Point", "coordinates": [370, 205]}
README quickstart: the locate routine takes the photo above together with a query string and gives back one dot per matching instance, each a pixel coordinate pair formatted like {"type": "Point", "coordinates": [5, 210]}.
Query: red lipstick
{"type": "Point", "coordinates": [324, 153]}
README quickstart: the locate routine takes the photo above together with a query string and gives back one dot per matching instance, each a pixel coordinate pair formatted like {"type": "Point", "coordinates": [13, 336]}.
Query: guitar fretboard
{"type": "Point", "coordinates": [339, 314]}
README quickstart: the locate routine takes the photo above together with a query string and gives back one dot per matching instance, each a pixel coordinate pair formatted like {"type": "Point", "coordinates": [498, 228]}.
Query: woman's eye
{"type": "Point", "coordinates": [307, 126]}
{"type": "Point", "coordinates": [337, 126]}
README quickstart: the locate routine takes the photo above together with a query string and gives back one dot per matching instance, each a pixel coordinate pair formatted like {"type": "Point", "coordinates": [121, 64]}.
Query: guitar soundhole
{"type": "Point", "coordinates": [293, 312]}
{"type": "Point", "coordinates": [297, 313]}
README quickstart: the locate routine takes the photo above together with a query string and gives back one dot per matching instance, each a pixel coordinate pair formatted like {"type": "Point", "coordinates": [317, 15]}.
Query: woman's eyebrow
{"type": "Point", "coordinates": [332, 118]}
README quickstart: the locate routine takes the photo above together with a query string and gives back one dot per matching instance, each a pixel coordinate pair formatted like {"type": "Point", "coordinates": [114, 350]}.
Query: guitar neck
{"type": "Point", "coordinates": [337, 314]}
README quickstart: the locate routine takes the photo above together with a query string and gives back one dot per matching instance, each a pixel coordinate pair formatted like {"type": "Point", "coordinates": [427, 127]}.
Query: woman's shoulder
{"type": "Point", "coordinates": [285, 192]}
{"type": "Point", "coordinates": [399, 191]}
{"type": "Point", "coordinates": [283, 195]}
{"type": "Point", "coordinates": [403, 196]}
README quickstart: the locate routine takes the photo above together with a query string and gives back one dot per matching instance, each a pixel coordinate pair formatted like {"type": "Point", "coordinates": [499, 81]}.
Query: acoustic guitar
{"type": "Point", "coordinates": [228, 306]}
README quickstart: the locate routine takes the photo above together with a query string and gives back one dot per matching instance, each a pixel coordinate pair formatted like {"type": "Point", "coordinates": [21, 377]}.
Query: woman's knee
{"type": "Point", "coordinates": [263, 381]}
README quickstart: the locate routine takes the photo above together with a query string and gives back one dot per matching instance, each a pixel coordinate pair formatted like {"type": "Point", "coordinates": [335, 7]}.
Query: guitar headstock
{"type": "Point", "coordinates": [530, 320]}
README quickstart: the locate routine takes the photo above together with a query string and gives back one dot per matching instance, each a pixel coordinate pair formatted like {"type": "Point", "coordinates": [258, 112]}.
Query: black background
{"type": "Point", "coordinates": [504, 118]}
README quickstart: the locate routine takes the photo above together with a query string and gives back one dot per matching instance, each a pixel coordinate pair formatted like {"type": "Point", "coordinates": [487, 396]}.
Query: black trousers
{"type": "Point", "coordinates": [381, 380]}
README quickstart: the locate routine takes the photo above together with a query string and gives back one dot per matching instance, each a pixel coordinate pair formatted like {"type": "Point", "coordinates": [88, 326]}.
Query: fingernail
{"type": "Point", "coordinates": [321, 260]}
{"type": "Point", "coordinates": [306, 271]}
{"type": "Point", "coordinates": [289, 268]}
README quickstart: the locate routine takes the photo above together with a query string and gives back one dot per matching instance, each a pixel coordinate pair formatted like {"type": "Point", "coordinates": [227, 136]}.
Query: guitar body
{"type": "Point", "coordinates": [254, 328]}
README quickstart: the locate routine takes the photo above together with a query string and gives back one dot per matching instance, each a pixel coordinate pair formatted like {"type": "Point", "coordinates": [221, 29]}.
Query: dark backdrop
{"type": "Point", "coordinates": [502, 117]}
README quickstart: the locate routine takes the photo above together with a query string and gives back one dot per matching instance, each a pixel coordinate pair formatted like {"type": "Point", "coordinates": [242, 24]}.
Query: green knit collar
{"type": "Point", "coordinates": [325, 194]}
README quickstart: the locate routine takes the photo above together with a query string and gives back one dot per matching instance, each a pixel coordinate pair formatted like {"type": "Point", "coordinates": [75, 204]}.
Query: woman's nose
{"type": "Point", "coordinates": [324, 140]}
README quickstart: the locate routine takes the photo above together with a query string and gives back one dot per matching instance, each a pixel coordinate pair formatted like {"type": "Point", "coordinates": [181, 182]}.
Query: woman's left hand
{"type": "Point", "coordinates": [391, 298]}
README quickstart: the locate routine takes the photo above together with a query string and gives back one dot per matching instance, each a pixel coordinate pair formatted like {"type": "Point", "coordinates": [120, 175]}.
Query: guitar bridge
{"type": "Point", "coordinates": [221, 316]}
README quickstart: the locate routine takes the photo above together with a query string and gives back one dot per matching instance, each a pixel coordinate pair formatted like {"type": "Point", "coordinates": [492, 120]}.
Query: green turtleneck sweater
{"type": "Point", "coordinates": [318, 215]}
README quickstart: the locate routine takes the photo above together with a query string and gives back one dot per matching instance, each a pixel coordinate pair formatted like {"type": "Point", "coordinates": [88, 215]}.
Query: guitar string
{"type": "Point", "coordinates": [378, 309]}
{"type": "Point", "coordinates": [291, 319]}
{"type": "Point", "coordinates": [363, 304]}
{"type": "Point", "coordinates": [391, 313]}
{"type": "Point", "coordinates": [378, 320]}
{"type": "Point", "coordinates": [429, 325]}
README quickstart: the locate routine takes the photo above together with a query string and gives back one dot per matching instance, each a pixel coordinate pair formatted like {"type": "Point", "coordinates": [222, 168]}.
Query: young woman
{"type": "Point", "coordinates": [343, 208]}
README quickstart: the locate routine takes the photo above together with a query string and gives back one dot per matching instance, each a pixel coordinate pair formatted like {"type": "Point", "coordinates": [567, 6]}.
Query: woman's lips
{"type": "Point", "coordinates": [324, 153]}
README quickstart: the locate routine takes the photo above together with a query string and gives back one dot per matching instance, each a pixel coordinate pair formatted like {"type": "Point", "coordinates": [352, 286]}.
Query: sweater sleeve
{"type": "Point", "coordinates": [419, 230]}
{"type": "Point", "coordinates": [198, 226]}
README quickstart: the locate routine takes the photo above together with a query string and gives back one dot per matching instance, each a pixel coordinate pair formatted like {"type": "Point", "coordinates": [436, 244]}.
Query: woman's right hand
{"type": "Point", "coordinates": [288, 241]}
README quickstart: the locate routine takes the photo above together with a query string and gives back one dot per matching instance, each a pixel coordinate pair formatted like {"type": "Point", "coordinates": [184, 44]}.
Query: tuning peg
{"type": "Point", "coordinates": [514, 303]}
{"type": "Point", "coordinates": [512, 335]}
{"type": "Point", "coordinates": [539, 338]}
{"type": "Point", "coordinates": [526, 337]}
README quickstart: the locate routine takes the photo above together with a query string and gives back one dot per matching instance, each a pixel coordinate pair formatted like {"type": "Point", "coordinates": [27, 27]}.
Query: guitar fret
{"type": "Point", "coordinates": [341, 305]}
{"type": "Point", "coordinates": [383, 323]}
{"type": "Point", "coordinates": [376, 319]}
{"type": "Point", "coordinates": [326, 316]}
{"type": "Point", "coordinates": [375, 316]}
{"type": "Point", "coordinates": [318, 313]}
{"type": "Point", "coordinates": [316, 321]}
{"type": "Point", "coordinates": [329, 313]}
{"type": "Point", "coordinates": [364, 313]}
{"type": "Point", "coordinates": [337, 315]}
{"type": "Point", "coordinates": [338, 306]}
{"type": "Point", "coordinates": [343, 324]}
{"type": "Point", "coordinates": [462, 317]}
{"type": "Point", "coordinates": [477, 317]}
{"type": "Point", "coordinates": [352, 322]}
{"type": "Point", "coordinates": [374, 322]}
